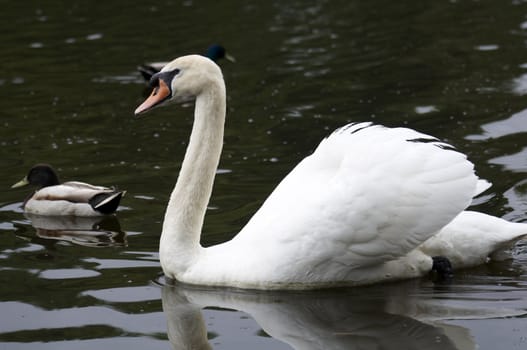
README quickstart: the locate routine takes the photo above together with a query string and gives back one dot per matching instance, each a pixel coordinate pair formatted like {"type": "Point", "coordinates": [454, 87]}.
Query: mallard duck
{"type": "Point", "coordinates": [371, 204]}
{"type": "Point", "coordinates": [214, 52]}
{"type": "Point", "coordinates": [69, 198]}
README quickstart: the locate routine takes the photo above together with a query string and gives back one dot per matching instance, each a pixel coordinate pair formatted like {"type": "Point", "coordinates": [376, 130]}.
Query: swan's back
{"type": "Point", "coordinates": [367, 195]}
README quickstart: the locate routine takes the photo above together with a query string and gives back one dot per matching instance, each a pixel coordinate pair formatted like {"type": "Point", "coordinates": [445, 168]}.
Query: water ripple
{"type": "Point", "coordinates": [517, 123]}
{"type": "Point", "coordinates": [124, 294]}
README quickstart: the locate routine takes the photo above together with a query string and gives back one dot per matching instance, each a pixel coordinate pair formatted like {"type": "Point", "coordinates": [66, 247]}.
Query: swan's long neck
{"type": "Point", "coordinates": [188, 202]}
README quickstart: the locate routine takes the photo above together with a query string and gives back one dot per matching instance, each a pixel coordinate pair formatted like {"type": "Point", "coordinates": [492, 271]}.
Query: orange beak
{"type": "Point", "coordinates": [158, 96]}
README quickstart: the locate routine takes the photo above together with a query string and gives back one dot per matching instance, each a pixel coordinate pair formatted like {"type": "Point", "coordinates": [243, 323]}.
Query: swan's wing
{"type": "Point", "coordinates": [367, 195]}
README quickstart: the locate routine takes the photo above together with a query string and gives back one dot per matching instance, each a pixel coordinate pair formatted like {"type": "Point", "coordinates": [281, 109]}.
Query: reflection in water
{"type": "Point", "coordinates": [391, 317]}
{"type": "Point", "coordinates": [517, 123]}
{"type": "Point", "coordinates": [517, 201]}
{"type": "Point", "coordinates": [515, 162]}
{"type": "Point", "coordinates": [86, 231]}
{"type": "Point", "coordinates": [519, 84]}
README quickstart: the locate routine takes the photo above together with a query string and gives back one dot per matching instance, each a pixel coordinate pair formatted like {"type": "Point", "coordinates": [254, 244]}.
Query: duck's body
{"type": "Point", "coordinates": [361, 209]}
{"type": "Point", "coordinates": [214, 52]}
{"type": "Point", "coordinates": [71, 198]}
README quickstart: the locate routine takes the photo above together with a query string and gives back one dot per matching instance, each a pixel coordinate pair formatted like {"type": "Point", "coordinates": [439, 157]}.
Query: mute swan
{"type": "Point", "coordinates": [69, 198]}
{"type": "Point", "coordinates": [214, 52]}
{"type": "Point", "coordinates": [371, 204]}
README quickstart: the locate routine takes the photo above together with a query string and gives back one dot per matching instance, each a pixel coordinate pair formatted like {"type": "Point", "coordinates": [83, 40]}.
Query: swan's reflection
{"type": "Point", "coordinates": [385, 317]}
{"type": "Point", "coordinates": [85, 231]}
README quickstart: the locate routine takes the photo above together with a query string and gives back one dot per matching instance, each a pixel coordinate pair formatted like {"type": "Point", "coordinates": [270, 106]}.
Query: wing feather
{"type": "Point", "coordinates": [367, 195]}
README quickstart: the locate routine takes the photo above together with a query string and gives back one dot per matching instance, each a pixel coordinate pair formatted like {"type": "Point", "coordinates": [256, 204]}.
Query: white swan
{"type": "Point", "coordinates": [365, 207]}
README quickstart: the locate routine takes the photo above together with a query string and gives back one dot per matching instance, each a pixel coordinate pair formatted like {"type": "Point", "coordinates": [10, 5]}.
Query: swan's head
{"type": "Point", "coordinates": [181, 80]}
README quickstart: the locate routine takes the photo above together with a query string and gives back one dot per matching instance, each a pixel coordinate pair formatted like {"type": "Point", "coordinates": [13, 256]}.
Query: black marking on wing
{"type": "Point", "coordinates": [424, 140]}
{"type": "Point", "coordinates": [346, 127]}
{"type": "Point", "coordinates": [362, 128]}
{"type": "Point", "coordinates": [446, 146]}
{"type": "Point", "coordinates": [435, 141]}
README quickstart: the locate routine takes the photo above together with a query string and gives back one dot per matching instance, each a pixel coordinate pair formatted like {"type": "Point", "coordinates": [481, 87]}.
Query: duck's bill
{"type": "Point", "coordinates": [159, 95]}
{"type": "Point", "coordinates": [21, 183]}
{"type": "Point", "coordinates": [230, 58]}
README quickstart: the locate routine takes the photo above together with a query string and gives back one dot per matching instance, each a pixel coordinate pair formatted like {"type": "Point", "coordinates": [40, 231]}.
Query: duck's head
{"type": "Point", "coordinates": [181, 80]}
{"type": "Point", "coordinates": [40, 175]}
{"type": "Point", "coordinates": [216, 52]}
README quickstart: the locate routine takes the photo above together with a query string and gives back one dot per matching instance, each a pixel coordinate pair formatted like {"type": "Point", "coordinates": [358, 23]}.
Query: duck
{"type": "Point", "coordinates": [371, 204]}
{"type": "Point", "coordinates": [72, 198]}
{"type": "Point", "coordinates": [215, 52]}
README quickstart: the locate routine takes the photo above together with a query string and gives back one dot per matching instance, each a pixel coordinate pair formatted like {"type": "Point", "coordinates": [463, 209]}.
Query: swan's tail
{"type": "Point", "coordinates": [472, 238]}
{"type": "Point", "coordinates": [481, 186]}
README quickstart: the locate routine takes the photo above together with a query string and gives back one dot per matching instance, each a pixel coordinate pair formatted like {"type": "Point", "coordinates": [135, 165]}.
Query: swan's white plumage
{"type": "Point", "coordinates": [358, 210]}
{"type": "Point", "coordinates": [468, 240]}
{"type": "Point", "coordinates": [365, 197]}
{"type": "Point", "coordinates": [362, 188]}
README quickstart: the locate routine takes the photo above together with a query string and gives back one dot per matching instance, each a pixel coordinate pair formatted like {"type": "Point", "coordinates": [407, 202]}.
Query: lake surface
{"type": "Point", "coordinates": [68, 88]}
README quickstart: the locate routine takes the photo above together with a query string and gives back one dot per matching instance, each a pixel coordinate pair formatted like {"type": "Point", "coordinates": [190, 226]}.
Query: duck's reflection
{"type": "Point", "coordinates": [86, 231]}
{"type": "Point", "coordinates": [370, 318]}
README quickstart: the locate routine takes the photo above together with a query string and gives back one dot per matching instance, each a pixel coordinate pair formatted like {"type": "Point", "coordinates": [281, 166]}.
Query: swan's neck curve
{"type": "Point", "coordinates": [179, 244]}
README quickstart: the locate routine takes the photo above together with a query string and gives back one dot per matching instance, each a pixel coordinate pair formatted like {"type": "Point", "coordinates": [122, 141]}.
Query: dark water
{"type": "Point", "coordinates": [68, 86]}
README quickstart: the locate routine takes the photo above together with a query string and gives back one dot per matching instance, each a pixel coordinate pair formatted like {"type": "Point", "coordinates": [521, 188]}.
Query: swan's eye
{"type": "Point", "coordinates": [165, 76]}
